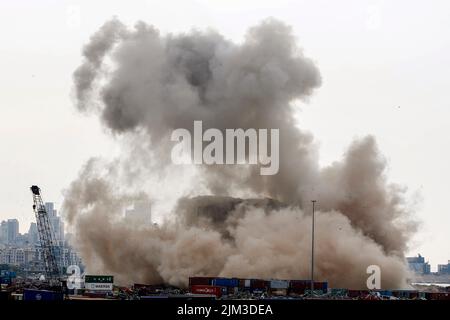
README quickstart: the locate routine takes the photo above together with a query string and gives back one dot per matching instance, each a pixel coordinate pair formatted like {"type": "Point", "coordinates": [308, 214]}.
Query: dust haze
{"type": "Point", "coordinates": [230, 221]}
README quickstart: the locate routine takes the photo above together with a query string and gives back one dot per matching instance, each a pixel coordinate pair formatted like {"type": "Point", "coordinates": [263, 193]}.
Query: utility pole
{"type": "Point", "coordinates": [312, 248]}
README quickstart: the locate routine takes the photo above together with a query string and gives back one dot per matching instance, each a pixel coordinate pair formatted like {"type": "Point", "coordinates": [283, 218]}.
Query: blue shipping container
{"type": "Point", "coordinates": [42, 295]}
{"type": "Point", "coordinates": [387, 293]}
{"type": "Point", "coordinates": [7, 273]}
{"type": "Point", "coordinates": [5, 280]}
{"type": "Point", "coordinates": [226, 282]}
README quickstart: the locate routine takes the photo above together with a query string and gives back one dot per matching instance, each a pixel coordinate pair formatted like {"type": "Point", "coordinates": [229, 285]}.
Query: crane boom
{"type": "Point", "coordinates": [46, 236]}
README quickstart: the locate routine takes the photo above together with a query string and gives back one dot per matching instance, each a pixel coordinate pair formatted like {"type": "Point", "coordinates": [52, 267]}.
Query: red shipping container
{"type": "Point", "coordinates": [206, 289]}
{"type": "Point", "coordinates": [258, 284]}
{"type": "Point", "coordinates": [206, 281]}
{"type": "Point", "coordinates": [439, 296]}
{"type": "Point", "coordinates": [300, 284]}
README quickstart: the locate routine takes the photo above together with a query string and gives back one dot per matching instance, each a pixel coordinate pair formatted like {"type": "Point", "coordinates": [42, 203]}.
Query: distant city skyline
{"type": "Point", "coordinates": [11, 229]}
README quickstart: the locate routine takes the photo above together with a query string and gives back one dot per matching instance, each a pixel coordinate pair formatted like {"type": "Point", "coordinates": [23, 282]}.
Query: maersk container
{"type": "Point", "coordinates": [279, 284]}
{"type": "Point", "coordinates": [225, 282]}
{"type": "Point", "coordinates": [206, 289]}
{"type": "Point", "coordinates": [42, 295]}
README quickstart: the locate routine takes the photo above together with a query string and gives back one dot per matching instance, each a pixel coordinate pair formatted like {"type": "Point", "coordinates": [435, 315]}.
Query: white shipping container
{"type": "Point", "coordinates": [98, 286]}
{"type": "Point", "coordinates": [247, 283]}
{"type": "Point", "coordinates": [279, 284]}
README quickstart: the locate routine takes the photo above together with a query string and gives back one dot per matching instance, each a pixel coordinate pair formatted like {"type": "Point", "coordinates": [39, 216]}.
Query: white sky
{"type": "Point", "coordinates": [385, 66]}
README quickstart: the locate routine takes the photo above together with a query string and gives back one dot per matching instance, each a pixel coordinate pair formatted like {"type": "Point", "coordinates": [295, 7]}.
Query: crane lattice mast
{"type": "Point", "coordinates": [46, 235]}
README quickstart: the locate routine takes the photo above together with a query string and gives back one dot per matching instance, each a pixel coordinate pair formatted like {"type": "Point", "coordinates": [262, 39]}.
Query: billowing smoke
{"type": "Point", "coordinates": [143, 86]}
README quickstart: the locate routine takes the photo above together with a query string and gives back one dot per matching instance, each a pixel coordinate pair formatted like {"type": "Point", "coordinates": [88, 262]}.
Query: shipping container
{"type": "Point", "coordinates": [259, 284]}
{"type": "Point", "coordinates": [5, 280]}
{"type": "Point", "coordinates": [405, 294]}
{"type": "Point", "coordinates": [225, 282]}
{"type": "Point", "coordinates": [7, 273]}
{"type": "Point", "coordinates": [321, 286]}
{"type": "Point", "coordinates": [41, 295]}
{"type": "Point", "coordinates": [438, 296]}
{"type": "Point", "coordinates": [207, 289]}
{"type": "Point", "coordinates": [279, 292]}
{"type": "Point", "coordinates": [300, 286]}
{"type": "Point", "coordinates": [279, 284]}
{"type": "Point", "coordinates": [386, 293]}
{"type": "Point", "coordinates": [200, 281]}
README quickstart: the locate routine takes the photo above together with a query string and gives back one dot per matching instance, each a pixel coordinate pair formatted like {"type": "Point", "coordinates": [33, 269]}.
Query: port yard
{"type": "Point", "coordinates": [217, 288]}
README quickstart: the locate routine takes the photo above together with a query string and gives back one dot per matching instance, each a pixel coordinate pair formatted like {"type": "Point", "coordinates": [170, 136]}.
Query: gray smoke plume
{"type": "Point", "coordinates": [144, 85]}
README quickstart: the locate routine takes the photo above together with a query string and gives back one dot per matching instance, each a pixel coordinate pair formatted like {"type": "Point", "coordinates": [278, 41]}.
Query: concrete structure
{"type": "Point", "coordinates": [418, 265]}
{"type": "Point", "coordinates": [9, 231]}
{"type": "Point", "coordinates": [444, 268]}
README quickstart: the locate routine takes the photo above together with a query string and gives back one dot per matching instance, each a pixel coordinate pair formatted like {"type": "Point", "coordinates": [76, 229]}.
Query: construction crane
{"type": "Point", "coordinates": [46, 237]}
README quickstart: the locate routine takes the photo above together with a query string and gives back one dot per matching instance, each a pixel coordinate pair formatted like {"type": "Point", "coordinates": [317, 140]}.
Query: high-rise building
{"type": "Point", "coordinates": [13, 230]}
{"type": "Point", "coordinates": [3, 232]}
{"type": "Point", "coordinates": [50, 208]}
{"type": "Point", "coordinates": [444, 268]}
{"type": "Point", "coordinates": [418, 265]}
{"type": "Point", "coordinates": [33, 236]}
{"type": "Point", "coordinates": [56, 222]}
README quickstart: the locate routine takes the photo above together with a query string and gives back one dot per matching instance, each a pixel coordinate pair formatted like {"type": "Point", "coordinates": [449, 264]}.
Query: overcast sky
{"type": "Point", "coordinates": [385, 68]}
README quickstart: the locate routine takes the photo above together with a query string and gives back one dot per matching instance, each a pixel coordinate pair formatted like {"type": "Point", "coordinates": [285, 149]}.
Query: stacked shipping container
{"type": "Point", "coordinates": [234, 285]}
